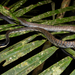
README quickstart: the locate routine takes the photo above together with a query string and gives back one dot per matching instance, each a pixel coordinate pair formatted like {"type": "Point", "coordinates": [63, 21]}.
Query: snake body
{"type": "Point", "coordinates": [47, 27]}
{"type": "Point", "coordinates": [43, 29]}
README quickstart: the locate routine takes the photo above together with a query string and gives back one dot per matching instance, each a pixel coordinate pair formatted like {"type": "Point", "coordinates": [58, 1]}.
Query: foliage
{"type": "Point", "coordinates": [25, 46]}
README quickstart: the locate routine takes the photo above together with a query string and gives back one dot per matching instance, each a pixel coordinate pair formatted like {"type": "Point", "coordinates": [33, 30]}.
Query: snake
{"type": "Point", "coordinates": [41, 28]}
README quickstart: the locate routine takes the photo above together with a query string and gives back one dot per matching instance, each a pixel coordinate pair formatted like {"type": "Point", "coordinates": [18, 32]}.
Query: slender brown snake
{"type": "Point", "coordinates": [43, 29]}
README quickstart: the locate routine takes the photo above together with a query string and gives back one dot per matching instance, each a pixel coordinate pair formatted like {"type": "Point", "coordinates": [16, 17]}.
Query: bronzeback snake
{"type": "Point", "coordinates": [43, 29]}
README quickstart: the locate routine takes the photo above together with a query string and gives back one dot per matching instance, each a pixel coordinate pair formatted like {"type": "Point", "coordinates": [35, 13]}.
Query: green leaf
{"type": "Point", "coordinates": [7, 12]}
{"type": "Point", "coordinates": [28, 65]}
{"type": "Point", "coordinates": [17, 5]}
{"type": "Point", "coordinates": [61, 32]}
{"type": "Point", "coordinates": [58, 67]}
{"type": "Point", "coordinates": [5, 2]}
{"type": "Point", "coordinates": [21, 51]}
{"type": "Point", "coordinates": [69, 37]}
{"type": "Point", "coordinates": [12, 34]}
{"type": "Point", "coordinates": [2, 27]}
{"type": "Point", "coordinates": [73, 72]}
{"type": "Point", "coordinates": [28, 39]}
{"type": "Point", "coordinates": [60, 20]}
{"type": "Point", "coordinates": [70, 51]}
{"type": "Point", "coordinates": [22, 11]}
{"type": "Point", "coordinates": [50, 13]}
